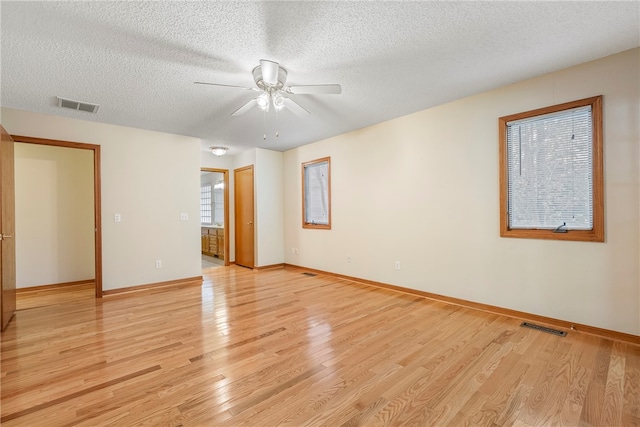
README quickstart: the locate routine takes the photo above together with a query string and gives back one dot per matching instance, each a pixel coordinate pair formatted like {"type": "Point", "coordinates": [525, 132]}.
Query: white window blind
{"type": "Point", "coordinates": [316, 193]}
{"type": "Point", "coordinates": [550, 164]}
{"type": "Point", "coordinates": [205, 204]}
{"type": "Point", "coordinates": [218, 205]}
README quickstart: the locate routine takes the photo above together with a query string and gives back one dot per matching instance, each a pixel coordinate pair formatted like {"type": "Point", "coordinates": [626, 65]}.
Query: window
{"type": "Point", "coordinates": [316, 194]}
{"type": "Point", "coordinates": [205, 204]}
{"type": "Point", "coordinates": [551, 179]}
{"type": "Point", "coordinates": [218, 203]}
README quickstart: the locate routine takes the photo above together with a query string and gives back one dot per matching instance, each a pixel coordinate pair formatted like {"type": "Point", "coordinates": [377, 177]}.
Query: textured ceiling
{"type": "Point", "coordinates": [138, 60]}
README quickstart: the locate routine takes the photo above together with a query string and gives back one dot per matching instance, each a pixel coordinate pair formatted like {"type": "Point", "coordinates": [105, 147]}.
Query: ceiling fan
{"type": "Point", "coordinates": [270, 79]}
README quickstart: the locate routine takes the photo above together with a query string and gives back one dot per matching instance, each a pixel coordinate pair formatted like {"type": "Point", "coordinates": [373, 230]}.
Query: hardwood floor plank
{"type": "Point", "coordinates": [492, 400]}
{"type": "Point", "coordinates": [631, 394]}
{"type": "Point", "coordinates": [593, 403]}
{"type": "Point", "coordinates": [614, 388]}
{"type": "Point", "coordinates": [71, 396]}
{"type": "Point", "coordinates": [574, 403]}
{"type": "Point", "coordinates": [276, 347]}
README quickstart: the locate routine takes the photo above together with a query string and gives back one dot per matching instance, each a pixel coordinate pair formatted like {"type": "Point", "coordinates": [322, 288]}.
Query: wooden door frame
{"type": "Point", "coordinates": [235, 210]}
{"type": "Point", "coordinates": [97, 205]}
{"type": "Point", "coordinates": [225, 172]}
{"type": "Point", "coordinates": [8, 242]}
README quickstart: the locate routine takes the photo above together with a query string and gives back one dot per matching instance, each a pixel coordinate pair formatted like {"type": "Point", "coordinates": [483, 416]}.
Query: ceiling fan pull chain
{"type": "Point", "coordinates": [264, 125]}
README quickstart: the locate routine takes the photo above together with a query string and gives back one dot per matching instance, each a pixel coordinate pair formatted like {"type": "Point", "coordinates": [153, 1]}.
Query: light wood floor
{"type": "Point", "coordinates": [211, 262]}
{"type": "Point", "coordinates": [281, 348]}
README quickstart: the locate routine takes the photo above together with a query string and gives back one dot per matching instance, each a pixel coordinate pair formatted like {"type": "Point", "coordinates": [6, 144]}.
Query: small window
{"type": "Point", "coordinates": [205, 204]}
{"type": "Point", "coordinates": [551, 184]}
{"type": "Point", "coordinates": [218, 203]}
{"type": "Point", "coordinates": [316, 194]}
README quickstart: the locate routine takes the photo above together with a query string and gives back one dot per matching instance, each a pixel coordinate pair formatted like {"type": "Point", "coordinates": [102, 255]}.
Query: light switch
{"type": "Point", "coordinates": [117, 218]}
{"type": "Point", "coordinates": [184, 217]}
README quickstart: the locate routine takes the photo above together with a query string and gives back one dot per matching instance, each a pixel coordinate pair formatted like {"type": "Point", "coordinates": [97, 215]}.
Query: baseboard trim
{"type": "Point", "coordinates": [188, 281]}
{"type": "Point", "coordinates": [547, 321]}
{"type": "Point", "coordinates": [270, 267]}
{"type": "Point", "coordinates": [54, 286]}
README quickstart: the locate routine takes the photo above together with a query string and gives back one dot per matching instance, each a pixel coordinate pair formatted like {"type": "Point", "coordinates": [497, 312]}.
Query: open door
{"type": "Point", "coordinates": [224, 248]}
{"type": "Point", "coordinates": [243, 198]}
{"type": "Point", "coordinates": [7, 231]}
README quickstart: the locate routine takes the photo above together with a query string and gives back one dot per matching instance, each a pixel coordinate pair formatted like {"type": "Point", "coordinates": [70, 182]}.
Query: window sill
{"type": "Point", "coordinates": [571, 235]}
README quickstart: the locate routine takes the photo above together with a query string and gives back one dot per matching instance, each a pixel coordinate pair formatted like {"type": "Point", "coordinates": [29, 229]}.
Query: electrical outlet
{"type": "Point", "coordinates": [158, 263]}
{"type": "Point", "coordinates": [348, 258]}
{"type": "Point", "coordinates": [297, 252]}
{"type": "Point", "coordinates": [117, 217]}
{"type": "Point", "coordinates": [397, 265]}
{"type": "Point", "coordinates": [184, 217]}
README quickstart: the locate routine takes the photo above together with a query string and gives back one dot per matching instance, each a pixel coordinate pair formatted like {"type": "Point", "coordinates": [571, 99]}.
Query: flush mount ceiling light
{"type": "Point", "coordinates": [219, 151]}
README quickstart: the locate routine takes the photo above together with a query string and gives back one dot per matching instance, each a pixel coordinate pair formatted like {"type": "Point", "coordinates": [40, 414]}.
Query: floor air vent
{"type": "Point", "coordinates": [309, 274]}
{"type": "Point", "coordinates": [77, 105]}
{"type": "Point", "coordinates": [544, 329]}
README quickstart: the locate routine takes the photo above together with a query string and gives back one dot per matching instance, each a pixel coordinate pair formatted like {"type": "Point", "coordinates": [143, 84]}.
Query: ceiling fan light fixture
{"type": "Point", "coordinates": [219, 151]}
{"type": "Point", "coordinates": [278, 102]}
{"type": "Point", "coordinates": [270, 79]}
{"type": "Point", "coordinates": [263, 101]}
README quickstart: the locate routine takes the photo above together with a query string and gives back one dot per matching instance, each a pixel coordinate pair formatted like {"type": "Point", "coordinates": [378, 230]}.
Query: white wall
{"type": "Point", "coordinates": [150, 178]}
{"type": "Point", "coordinates": [270, 207]}
{"type": "Point", "coordinates": [268, 201]}
{"type": "Point", "coordinates": [54, 215]}
{"type": "Point", "coordinates": [423, 189]}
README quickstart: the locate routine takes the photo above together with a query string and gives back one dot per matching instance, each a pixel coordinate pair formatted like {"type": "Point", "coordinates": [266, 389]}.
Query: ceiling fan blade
{"type": "Point", "coordinates": [218, 84]}
{"type": "Point", "coordinates": [315, 89]}
{"type": "Point", "coordinates": [246, 107]}
{"type": "Point", "coordinates": [295, 107]}
{"type": "Point", "coordinates": [269, 71]}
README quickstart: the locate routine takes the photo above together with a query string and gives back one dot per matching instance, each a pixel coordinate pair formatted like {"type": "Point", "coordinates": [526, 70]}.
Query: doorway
{"type": "Point", "coordinates": [97, 224]}
{"type": "Point", "coordinates": [214, 217]}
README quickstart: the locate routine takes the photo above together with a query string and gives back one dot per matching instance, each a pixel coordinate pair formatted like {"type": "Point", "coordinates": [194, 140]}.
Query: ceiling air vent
{"type": "Point", "coordinates": [78, 105]}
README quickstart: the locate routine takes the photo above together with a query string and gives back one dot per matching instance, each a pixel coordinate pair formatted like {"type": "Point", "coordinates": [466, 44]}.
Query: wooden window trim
{"type": "Point", "coordinates": [309, 224]}
{"type": "Point", "coordinates": [597, 233]}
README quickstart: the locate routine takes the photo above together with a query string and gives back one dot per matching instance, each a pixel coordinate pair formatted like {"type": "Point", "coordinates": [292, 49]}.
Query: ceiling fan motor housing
{"type": "Point", "coordinates": [257, 77]}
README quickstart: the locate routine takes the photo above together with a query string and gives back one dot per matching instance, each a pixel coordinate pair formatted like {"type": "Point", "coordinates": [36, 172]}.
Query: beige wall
{"type": "Point", "coordinates": [54, 215]}
{"type": "Point", "coordinates": [150, 178]}
{"type": "Point", "coordinates": [423, 190]}
{"type": "Point", "coordinates": [268, 201]}
{"type": "Point", "coordinates": [270, 207]}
